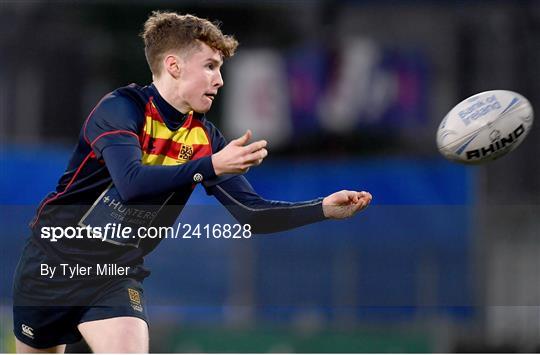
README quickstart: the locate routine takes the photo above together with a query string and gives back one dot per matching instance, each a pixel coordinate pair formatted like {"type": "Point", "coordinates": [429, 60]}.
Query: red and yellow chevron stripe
{"type": "Point", "coordinates": [161, 146]}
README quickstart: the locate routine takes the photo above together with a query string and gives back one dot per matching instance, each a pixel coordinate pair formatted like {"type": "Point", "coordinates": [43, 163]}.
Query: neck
{"type": "Point", "coordinates": [169, 94]}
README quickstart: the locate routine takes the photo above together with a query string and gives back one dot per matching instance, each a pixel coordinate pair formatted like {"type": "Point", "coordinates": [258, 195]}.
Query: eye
{"type": "Point", "coordinates": [211, 66]}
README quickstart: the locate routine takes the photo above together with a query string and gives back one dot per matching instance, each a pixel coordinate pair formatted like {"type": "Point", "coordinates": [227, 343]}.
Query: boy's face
{"type": "Point", "coordinates": [199, 80]}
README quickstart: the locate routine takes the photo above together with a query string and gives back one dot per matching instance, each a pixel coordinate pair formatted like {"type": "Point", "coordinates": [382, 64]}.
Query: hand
{"type": "Point", "coordinates": [344, 204]}
{"type": "Point", "coordinates": [237, 157]}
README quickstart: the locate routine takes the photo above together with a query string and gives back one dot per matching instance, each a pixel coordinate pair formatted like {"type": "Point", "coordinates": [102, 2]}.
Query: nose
{"type": "Point", "coordinates": [218, 80]}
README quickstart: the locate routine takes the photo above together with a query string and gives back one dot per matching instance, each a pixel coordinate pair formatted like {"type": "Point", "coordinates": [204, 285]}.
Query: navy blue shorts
{"type": "Point", "coordinates": [47, 311]}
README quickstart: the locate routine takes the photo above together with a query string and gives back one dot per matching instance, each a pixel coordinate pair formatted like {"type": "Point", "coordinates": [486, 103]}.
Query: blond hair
{"type": "Point", "coordinates": [166, 31]}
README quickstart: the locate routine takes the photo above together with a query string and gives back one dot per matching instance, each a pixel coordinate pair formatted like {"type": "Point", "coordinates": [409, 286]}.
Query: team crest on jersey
{"type": "Point", "coordinates": [185, 152]}
{"type": "Point", "coordinates": [134, 296]}
{"type": "Point", "coordinates": [135, 299]}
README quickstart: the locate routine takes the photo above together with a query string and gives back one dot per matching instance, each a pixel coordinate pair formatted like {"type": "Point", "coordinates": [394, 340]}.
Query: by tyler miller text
{"type": "Point", "coordinates": [77, 270]}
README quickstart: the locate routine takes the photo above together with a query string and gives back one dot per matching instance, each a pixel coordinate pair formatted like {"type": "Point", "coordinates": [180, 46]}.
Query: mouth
{"type": "Point", "coordinates": [211, 96]}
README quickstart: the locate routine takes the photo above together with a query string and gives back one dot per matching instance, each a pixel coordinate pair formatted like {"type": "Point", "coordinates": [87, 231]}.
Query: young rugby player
{"type": "Point", "coordinates": [140, 153]}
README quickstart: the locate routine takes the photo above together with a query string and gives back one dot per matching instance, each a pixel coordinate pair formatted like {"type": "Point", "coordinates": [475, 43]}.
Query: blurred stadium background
{"type": "Point", "coordinates": [349, 94]}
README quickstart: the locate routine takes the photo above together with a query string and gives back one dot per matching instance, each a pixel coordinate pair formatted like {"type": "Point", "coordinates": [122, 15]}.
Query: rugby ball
{"type": "Point", "coordinates": [485, 127]}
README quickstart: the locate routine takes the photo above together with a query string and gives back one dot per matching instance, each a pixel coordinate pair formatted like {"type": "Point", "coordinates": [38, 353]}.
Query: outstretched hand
{"type": "Point", "coordinates": [238, 156]}
{"type": "Point", "coordinates": [344, 204]}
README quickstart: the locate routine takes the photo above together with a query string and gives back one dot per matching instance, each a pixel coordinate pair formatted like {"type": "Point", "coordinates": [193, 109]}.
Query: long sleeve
{"type": "Point", "coordinates": [264, 216]}
{"type": "Point", "coordinates": [135, 181]}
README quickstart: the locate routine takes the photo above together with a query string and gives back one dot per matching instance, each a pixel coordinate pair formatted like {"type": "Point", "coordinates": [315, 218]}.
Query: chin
{"type": "Point", "coordinates": [202, 109]}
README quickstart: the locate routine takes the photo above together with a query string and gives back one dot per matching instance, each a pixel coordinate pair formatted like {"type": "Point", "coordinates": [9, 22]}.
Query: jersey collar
{"type": "Point", "coordinates": [173, 118]}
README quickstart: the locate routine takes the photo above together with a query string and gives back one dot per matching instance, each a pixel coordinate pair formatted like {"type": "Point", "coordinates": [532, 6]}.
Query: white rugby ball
{"type": "Point", "coordinates": [485, 127]}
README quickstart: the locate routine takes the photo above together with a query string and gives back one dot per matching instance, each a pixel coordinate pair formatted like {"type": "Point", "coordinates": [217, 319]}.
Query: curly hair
{"type": "Point", "coordinates": [166, 31]}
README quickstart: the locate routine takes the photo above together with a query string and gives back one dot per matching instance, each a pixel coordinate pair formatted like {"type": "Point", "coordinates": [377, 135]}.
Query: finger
{"type": "Point", "coordinates": [258, 162]}
{"type": "Point", "coordinates": [364, 196]}
{"type": "Point", "coordinates": [256, 156]}
{"type": "Point", "coordinates": [255, 146]}
{"type": "Point", "coordinates": [243, 139]}
{"type": "Point", "coordinates": [352, 196]}
{"type": "Point", "coordinates": [365, 202]}
{"type": "Point", "coordinates": [368, 197]}
{"type": "Point", "coordinates": [255, 162]}
{"type": "Point", "coordinates": [359, 206]}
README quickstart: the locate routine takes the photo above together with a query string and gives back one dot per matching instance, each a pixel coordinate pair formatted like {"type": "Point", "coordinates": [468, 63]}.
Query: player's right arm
{"type": "Point", "coordinates": [112, 133]}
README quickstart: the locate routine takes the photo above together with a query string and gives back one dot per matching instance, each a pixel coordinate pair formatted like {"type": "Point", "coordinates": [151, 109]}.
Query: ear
{"type": "Point", "coordinates": [173, 65]}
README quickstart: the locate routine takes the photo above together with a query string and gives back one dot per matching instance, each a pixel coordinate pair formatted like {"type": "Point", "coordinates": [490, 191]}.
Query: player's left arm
{"type": "Point", "coordinates": [268, 216]}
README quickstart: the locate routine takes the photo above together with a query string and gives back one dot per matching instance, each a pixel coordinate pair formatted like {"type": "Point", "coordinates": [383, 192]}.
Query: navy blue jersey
{"type": "Point", "coordinates": [136, 163]}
